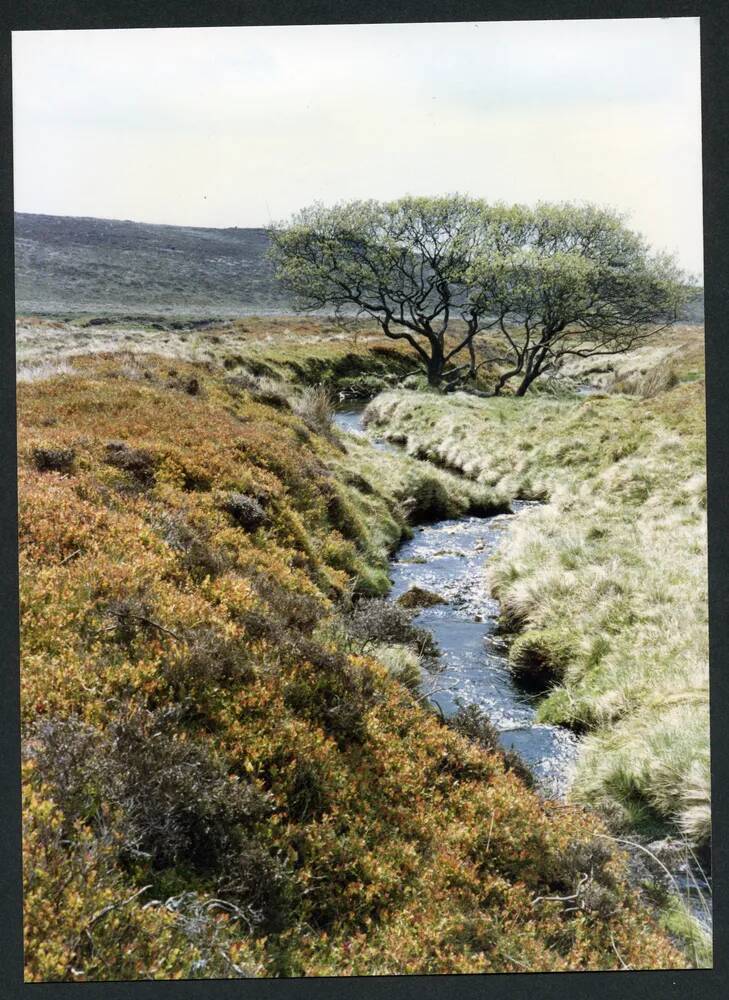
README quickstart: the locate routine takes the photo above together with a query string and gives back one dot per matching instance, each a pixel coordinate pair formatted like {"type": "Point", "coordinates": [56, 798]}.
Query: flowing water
{"type": "Point", "coordinates": [449, 558]}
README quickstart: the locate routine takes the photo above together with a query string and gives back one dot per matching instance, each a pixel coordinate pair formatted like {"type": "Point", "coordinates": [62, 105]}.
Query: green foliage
{"type": "Point", "coordinates": [605, 584]}
{"type": "Point", "coordinates": [564, 279]}
{"type": "Point", "coordinates": [404, 263]}
{"type": "Point", "coordinates": [570, 280]}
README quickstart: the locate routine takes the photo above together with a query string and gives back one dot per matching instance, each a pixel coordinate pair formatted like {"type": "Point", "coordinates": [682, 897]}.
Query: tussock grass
{"type": "Point", "coordinates": [356, 361]}
{"type": "Point", "coordinates": [607, 581]}
{"type": "Point", "coordinates": [419, 492]}
{"type": "Point", "coordinates": [315, 406]}
{"type": "Point", "coordinates": [226, 772]}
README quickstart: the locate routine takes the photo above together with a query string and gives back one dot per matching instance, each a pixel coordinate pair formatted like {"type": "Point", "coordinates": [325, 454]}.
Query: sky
{"type": "Point", "coordinates": [243, 126]}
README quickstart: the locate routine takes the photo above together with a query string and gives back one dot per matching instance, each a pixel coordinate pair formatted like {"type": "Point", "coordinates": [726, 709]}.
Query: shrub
{"type": "Point", "coordinates": [84, 921]}
{"type": "Point", "coordinates": [130, 616]}
{"type": "Point", "coordinates": [54, 459]}
{"type": "Point", "coordinates": [472, 722]}
{"type": "Point", "coordinates": [379, 621]}
{"type": "Point", "coordinates": [198, 557]}
{"type": "Point", "coordinates": [246, 511]}
{"type": "Point", "coordinates": [168, 802]}
{"type": "Point", "coordinates": [290, 609]}
{"type": "Point", "coordinates": [140, 464]}
{"type": "Point", "coordinates": [582, 874]}
{"type": "Point", "coordinates": [336, 693]}
{"type": "Point", "coordinates": [211, 661]}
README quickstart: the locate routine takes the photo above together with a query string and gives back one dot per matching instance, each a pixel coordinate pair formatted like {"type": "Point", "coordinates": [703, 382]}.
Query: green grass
{"type": "Point", "coordinates": [611, 571]}
{"type": "Point", "coordinates": [355, 359]}
{"type": "Point", "coordinates": [678, 921]}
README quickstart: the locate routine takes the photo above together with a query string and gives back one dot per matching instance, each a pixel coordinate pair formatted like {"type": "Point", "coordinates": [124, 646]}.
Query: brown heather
{"type": "Point", "coordinates": [183, 671]}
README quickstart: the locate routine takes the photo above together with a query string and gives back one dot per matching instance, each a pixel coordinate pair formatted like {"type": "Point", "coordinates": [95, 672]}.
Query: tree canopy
{"type": "Point", "coordinates": [554, 280]}
{"type": "Point", "coordinates": [574, 281]}
{"type": "Point", "coordinates": [405, 263]}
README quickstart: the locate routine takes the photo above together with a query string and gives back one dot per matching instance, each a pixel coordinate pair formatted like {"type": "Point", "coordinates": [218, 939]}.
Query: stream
{"type": "Point", "coordinates": [449, 558]}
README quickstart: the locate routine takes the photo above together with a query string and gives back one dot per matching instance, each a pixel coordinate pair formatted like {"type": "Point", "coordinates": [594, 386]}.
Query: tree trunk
{"type": "Point", "coordinates": [526, 382]}
{"type": "Point", "coordinates": [472, 358]}
{"type": "Point", "coordinates": [436, 364]}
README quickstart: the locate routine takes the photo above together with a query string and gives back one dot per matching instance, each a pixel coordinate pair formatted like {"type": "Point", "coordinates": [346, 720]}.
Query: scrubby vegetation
{"type": "Point", "coordinates": [353, 358]}
{"type": "Point", "coordinates": [604, 587]}
{"type": "Point", "coordinates": [224, 775]}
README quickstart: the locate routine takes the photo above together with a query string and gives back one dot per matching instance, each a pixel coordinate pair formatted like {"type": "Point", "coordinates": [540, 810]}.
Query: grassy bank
{"type": "Point", "coordinates": [604, 587]}
{"type": "Point", "coordinates": [354, 359]}
{"type": "Point", "coordinates": [220, 777]}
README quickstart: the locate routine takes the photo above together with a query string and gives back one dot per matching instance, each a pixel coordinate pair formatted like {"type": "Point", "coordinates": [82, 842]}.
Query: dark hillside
{"type": "Point", "coordinates": [67, 265]}
{"type": "Point", "coordinates": [71, 265]}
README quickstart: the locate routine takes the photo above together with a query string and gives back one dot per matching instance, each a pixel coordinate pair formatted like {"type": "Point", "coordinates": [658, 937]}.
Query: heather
{"type": "Point", "coordinates": [226, 771]}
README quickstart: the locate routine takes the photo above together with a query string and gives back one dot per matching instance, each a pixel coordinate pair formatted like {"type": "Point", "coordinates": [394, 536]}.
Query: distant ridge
{"type": "Point", "coordinates": [65, 264]}
{"type": "Point", "coordinates": [70, 265]}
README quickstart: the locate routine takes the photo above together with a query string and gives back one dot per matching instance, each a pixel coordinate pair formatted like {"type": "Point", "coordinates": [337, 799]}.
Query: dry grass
{"type": "Point", "coordinates": [613, 567]}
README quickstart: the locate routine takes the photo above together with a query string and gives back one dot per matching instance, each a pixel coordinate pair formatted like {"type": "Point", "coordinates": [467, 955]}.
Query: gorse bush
{"type": "Point", "coordinates": [221, 776]}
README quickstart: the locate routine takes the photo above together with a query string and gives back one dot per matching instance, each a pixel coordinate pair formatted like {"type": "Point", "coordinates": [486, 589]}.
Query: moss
{"type": "Point", "coordinates": [676, 918]}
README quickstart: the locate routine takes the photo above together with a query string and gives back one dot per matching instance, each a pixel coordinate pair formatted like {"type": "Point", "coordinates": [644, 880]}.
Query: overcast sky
{"type": "Point", "coordinates": [238, 126]}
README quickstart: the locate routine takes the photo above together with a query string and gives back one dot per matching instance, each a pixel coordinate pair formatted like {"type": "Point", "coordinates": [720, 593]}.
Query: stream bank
{"type": "Point", "coordinates": [448, 558]}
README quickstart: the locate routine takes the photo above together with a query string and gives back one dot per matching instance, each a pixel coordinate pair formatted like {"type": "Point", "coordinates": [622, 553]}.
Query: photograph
{"type": "Point", "coordinates": [362, 499]}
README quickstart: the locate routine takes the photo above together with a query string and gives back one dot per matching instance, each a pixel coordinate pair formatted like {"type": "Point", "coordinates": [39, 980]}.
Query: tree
{"type": "Point", "coordinates": [573, 281]}
{"type": "Point", "coordinates": [405, 263]}
{"type": "Point", "coordinates": [556, 280]}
